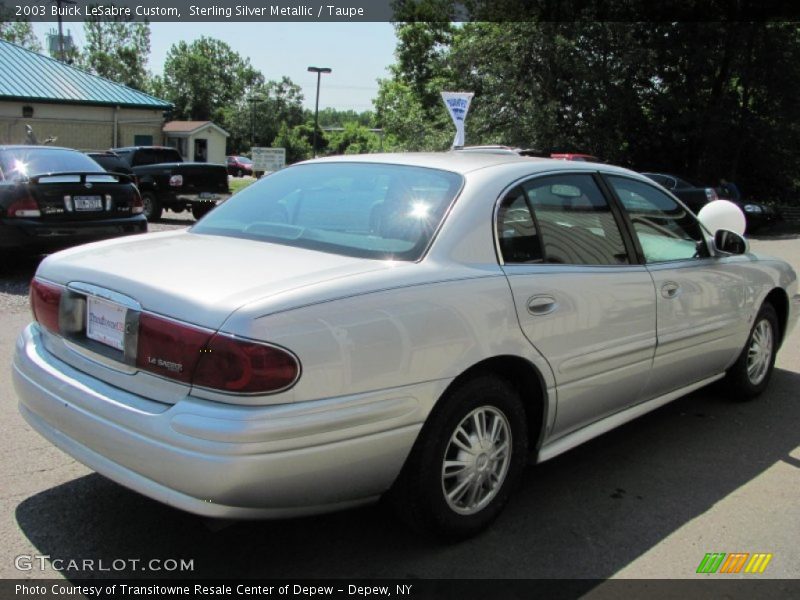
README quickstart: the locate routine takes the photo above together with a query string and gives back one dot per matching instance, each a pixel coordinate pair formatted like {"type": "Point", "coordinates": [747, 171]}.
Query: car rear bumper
{"type": "Point", "coordinates": [30, 233]}
{"type": "Point", "coordinates": [222, 460]}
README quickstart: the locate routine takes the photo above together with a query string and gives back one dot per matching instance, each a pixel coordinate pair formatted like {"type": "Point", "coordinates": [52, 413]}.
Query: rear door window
{"type": "Point", "coordinates": [575, 221]}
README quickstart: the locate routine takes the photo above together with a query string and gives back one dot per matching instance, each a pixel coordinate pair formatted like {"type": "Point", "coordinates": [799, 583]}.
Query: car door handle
{"type": "Point", "coordinates": [671, 290]}
{"type": "Point", "coordinates": [542, 305]}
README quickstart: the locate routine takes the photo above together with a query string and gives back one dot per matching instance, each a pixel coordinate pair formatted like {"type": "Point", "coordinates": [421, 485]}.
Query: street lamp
{"type": "Point", "coordinates": [319, 71]}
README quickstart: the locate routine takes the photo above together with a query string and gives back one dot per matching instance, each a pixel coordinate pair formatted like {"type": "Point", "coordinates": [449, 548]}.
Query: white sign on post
{"type": "Point", "coordinates": [266, 160]}
{"type": "Point", "coordinates": [458, 105]}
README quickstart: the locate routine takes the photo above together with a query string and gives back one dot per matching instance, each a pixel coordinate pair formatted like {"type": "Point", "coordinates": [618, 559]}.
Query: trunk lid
{"type": "Point", "coordinates": [80, 196]}
{"type": "Point", "coordinates": [198, 278]}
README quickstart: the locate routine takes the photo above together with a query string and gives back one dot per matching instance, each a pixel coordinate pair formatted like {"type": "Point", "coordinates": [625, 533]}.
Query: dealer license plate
{"type": "Point", "coordinates": [207, 196]}
{"type": "Point", "coordinates": [105, 322]}
{"type": "Point", "coordinates": [88, 203]}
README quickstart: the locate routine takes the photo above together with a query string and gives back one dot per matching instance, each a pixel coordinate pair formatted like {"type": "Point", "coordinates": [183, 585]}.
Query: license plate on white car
{"type": "Point", "coordinates": [88, 203]}
{"type": "Point", "coordinates": [105, 322]}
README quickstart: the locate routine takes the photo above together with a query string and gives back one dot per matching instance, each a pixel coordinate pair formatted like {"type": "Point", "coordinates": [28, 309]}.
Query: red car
{"type": "Point", "coordinates": [239, 166]}
{"type": "Point", "coordinates": [572, 156]}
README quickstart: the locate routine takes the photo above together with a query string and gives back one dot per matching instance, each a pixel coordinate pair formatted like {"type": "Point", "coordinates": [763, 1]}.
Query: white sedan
{"type": "Point", "coordinates": [417, 325]}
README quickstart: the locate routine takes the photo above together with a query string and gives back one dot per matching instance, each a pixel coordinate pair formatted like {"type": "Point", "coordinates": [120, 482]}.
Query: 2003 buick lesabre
{"type": "Point", "coordinates": [417, 325]}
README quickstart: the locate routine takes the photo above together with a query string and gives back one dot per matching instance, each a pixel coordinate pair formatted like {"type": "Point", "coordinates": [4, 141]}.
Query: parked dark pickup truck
{"type": "Point", "coordinates": [166, 182]}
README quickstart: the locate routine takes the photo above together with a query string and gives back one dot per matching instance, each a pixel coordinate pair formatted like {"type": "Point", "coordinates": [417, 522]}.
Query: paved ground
{"type": "Point", "coordinates": [646, 501]}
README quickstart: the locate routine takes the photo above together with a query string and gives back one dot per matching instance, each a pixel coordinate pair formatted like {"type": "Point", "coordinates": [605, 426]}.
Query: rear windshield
{"type": "Point", "coordinates": [20, 163]}
{"type": "Point", "coordinates": [156, 156]}
{"type": "Point", "coordinates": [110, 163]}
{"type": "Point", "coordinates": [356, 209]}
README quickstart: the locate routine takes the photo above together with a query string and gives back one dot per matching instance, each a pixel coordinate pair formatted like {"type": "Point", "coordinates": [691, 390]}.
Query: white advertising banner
{"type": "Point", "coordinates": [457, 104]}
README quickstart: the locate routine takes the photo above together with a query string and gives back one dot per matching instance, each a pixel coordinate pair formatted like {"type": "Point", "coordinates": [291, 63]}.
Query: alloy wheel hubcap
{"type": "Point", "coordinates": [759, 353]}
{"type": "Point", "coordinates": [476, 460]}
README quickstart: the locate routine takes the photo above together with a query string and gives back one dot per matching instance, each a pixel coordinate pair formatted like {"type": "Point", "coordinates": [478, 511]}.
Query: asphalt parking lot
{"type": "Point", "coordinates": [648, 500]}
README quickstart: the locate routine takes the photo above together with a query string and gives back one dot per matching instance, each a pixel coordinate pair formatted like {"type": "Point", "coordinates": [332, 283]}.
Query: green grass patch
{"type": "Point", "coordinates": [239, 183]}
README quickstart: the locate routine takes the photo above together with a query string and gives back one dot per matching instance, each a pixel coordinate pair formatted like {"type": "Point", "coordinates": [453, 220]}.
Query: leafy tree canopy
{"type": "Point", "coordinates": [701, 99]}
{"type": "Point", "coordinates": [117, 50]}
{"type": "Point", "coordinates": [204, 77]}
{"type": "Point", "coordinates": [20, 33]}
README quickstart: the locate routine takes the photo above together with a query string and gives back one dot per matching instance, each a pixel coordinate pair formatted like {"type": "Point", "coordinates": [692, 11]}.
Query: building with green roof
{"type": "Point", "coordinates": [71, 107]}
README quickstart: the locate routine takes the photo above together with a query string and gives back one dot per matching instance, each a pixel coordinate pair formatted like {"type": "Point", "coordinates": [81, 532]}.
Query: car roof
{"type": "Point", "coordinates": [34, 147]}
{"type": "Point", "coordinates": [466, 162]}
{"type": "Point", "coordinates": [125, 148]}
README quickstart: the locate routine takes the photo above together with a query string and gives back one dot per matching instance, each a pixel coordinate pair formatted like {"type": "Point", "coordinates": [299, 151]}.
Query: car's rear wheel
{"type": "Point", "coordinates": [152, 207]}
{"type": "Point", "coordinates": [750, 374]}
{"type": "Point", "coordinates": [200, 209]}
{"type": "Point", "coordinates": [466, 462]}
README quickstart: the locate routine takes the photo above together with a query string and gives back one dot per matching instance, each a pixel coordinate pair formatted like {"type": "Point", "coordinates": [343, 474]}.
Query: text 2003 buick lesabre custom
{"type": "Point", "coordinates": [414, 324]}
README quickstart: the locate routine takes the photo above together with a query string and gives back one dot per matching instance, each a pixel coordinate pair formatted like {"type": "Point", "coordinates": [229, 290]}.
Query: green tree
{"type": "Point", "coordinates": [117, 50]}
{"type": "Point", "coordinates": [277, 103]}
{"type": "Point", "coordinates": [352, 139]}
{"type": "Point", "coordinates": [296, 141]}
{"type": "Point", "coordinates": [205, 77]}
{"type": "Point", "coordinates": [18, 32]}
{"type": "Point", "coordinates": [702, 99]}
{"type": "Point", "coordinates": [332, 117]}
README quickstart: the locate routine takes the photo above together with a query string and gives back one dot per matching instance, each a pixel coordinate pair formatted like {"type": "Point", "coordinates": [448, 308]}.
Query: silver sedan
{"type": "Point", "coordinates": [413, 325]}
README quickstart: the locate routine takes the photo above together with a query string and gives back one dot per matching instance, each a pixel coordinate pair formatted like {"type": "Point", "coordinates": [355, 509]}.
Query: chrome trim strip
{"type": "Point", "coordinates": [92, 290]}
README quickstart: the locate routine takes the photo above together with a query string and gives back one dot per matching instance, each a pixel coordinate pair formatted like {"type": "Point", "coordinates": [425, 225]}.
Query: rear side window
{"type": "Point", "coordinates": [155, 156]}
{"type": "Point", "coordinates": [516, 230]}
{"type": "Point", "coordinates": [575, 221]}
{"type": "Point", "coordinates": [380, 211]}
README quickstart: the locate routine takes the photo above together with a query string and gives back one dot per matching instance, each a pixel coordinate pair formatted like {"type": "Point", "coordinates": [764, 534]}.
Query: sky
{"type": "Point", "coordinates": [358, 53]}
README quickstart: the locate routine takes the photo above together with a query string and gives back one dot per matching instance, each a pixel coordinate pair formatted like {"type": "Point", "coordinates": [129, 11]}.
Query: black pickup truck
{"type": "Point", "coordinates": [166, 182]}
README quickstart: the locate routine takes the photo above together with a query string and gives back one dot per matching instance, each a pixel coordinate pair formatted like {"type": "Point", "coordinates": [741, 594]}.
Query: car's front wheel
{"type": "Point", "coordinates": [467, 460]}
{"type": "Point", "coordinates": [750, 374]}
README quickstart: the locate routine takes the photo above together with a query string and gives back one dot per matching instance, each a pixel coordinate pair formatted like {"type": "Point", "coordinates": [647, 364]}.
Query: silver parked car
{"type": "Point", "coordinates": [420, 325]}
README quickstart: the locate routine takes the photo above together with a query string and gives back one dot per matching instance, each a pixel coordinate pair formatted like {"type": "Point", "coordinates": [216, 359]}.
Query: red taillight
{"type": "Point", "coordinates": [191, 355]}
{"type": "Point", "coordinates": [137, 206]}
{"type": "Point", "coordinates": [45, 298]}
{"type": "Point", "coordinates": [244, 367]}
{"type": "Point", "coordinates": [168, 348]}
{"type": "Point", "coordinates": [24, 207]}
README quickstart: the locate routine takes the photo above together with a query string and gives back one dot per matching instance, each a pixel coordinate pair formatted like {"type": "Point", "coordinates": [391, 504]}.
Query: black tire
{"type": "Point", "coordinates": [152, 207]}
{"type": "Point", "coordinates": [200, 209]}
{"type": "Point", "coordinates": [750, 374]}
{"type": "Point", "coordinates": [419, 494]}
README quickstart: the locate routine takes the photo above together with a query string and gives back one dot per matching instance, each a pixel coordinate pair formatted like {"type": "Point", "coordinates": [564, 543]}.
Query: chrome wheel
{"type": "Point", "coordinates": [759, 352]}
{"type": "Point", "coordinates": [476, 460]}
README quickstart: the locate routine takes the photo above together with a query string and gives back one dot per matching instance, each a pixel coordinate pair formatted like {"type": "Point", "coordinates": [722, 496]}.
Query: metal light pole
{"type": "Point", "coordinates": [319, 71]}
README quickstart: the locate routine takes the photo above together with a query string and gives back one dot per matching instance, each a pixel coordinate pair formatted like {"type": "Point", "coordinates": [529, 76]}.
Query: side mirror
{"type": "Point", "coordinates": [730, 242]}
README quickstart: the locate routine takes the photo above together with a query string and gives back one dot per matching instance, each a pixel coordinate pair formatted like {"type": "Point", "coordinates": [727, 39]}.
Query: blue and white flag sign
{"type": "Point", "coordinates": [458, 105]}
